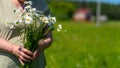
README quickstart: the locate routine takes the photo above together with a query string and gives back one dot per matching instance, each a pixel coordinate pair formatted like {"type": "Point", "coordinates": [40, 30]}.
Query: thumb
{"type": "Point", "coordinates": [35, 54]}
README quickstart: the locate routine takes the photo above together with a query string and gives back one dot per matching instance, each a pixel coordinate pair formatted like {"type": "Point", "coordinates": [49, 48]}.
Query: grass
{"type": "Point", "coordinates": [85, 46]}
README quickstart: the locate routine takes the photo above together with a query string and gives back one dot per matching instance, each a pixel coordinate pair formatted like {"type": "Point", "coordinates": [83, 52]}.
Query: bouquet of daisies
{"type": "Point", "coordinates": [34, 22]}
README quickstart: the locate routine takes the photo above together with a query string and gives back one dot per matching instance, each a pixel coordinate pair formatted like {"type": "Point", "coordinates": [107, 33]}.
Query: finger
{"type": "Point", "coordinates": [27, 52]}
{"type": "Point", "coordinates": [35, 54]}
{"type": "Point", "coordinates": [21, 61]}
{"type": "Point", "coordinates": [25, 56]}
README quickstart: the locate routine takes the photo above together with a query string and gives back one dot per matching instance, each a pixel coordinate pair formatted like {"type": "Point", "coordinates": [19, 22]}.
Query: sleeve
{"type": "Point", "coordinates": [40, 5]}
{"type": "Point", "coordinates": [47, 12]}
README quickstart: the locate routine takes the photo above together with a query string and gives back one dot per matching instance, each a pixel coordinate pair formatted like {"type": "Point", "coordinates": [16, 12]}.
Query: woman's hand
{"type": "Point", "coordinates": [37, 52]}
{"type": "Point", "coordinates": [43, 44]}
{"type": "Point", "coordinates": [23, 54]}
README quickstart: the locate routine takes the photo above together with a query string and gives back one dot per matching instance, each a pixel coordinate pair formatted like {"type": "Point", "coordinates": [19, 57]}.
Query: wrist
{"type": "Point", "coordinates": [41, 44]}
{"type": "Point", "coordinates": [13, 50]}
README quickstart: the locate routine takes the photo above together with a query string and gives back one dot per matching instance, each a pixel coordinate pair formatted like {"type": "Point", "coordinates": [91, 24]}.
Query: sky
{"type": "Point", "coordinates": [112, 1]}
{"type": "Point", "coordinates": [108, 1]}
{"type": "Point", "coordinates": [105, 1]}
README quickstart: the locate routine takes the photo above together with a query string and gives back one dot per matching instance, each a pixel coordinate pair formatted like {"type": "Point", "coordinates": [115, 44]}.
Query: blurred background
{"type": "Point", "coordinates": [90, 34]}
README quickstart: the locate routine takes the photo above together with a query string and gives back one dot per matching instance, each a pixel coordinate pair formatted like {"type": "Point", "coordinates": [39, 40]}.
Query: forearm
{"type": "Point", "coordinates": [46, 42]}
{"type": "Point", "coordinates": [6, 46]}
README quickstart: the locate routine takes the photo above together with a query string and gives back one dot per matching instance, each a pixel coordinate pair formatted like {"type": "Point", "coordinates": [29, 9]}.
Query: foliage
{"type": "Point", "coordinates": [65, 10]}
{"type": "Point", "coordinates": [85, 46]}
{"type": "Point", "coordinates": [62, 10]}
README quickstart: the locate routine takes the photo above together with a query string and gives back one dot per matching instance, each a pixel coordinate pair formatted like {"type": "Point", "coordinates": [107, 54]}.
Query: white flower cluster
{"type": "Point", "coordinates": [30, 16]}
{"type": "Point", "coordinates": [59, 28]}
{"type": "Point", "coordinates": [35, 26]}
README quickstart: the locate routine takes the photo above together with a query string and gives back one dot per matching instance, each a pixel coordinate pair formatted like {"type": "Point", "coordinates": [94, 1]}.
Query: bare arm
{"type": "Point", "coordinates": [46, 42]}
{"type": "Point", "coordinates": [24, 55]}
{"type": "Point", "coordinates": [43, 44]}
{"type": "Point", "coordinates": [6, 46]}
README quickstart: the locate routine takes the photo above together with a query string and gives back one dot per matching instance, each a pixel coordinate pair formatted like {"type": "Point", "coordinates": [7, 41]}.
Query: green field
{"type": "Point", "coordinates": [85, 46]}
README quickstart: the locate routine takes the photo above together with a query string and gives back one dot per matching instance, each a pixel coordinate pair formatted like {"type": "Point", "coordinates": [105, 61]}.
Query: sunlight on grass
{"type": "Point", "coordinates": [85, 46]}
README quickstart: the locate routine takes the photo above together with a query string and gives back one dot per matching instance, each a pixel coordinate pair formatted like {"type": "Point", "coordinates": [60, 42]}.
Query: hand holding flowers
{"type": "Point", "coordinates": [35, 27]}
{"type": "Point", "coordinates": [23, 54]}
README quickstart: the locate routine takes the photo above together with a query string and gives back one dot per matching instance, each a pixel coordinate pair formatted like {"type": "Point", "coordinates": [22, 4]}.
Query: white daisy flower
{"type": "Point", "coordinates": [53, 19]}
{"type": "Point", "coordinates": [45, 20]}
{"type": "Point", "coordinates": [28, 2]}
{"type": "Point", "coordinates": [60, 26]}
{"type": "Point", "coordinates": [12, 26]}
{"type": "Point", "coordinates": [33, 9]}
{"type": "Point", "coordinates": [28, 19]}
{"type": "Point", "coordinates": [58, 30]}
